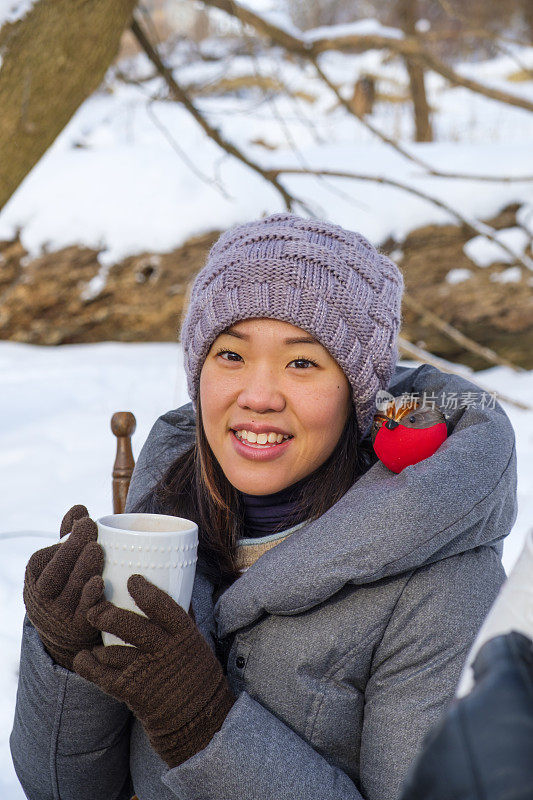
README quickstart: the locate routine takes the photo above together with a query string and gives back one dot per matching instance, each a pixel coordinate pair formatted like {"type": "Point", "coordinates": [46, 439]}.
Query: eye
{"type": "Point", "coordinates": [299, 358]}
{"type": "Point", "coordinates": [307, 360]}
{"type": "Point", "coordinates": [221, 352]}
{"type": "Point", "coordinates": [412, 419]}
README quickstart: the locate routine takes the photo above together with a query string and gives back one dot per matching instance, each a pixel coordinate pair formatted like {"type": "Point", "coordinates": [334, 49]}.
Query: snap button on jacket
{"type": "Point", "coordinates": [344, 643]}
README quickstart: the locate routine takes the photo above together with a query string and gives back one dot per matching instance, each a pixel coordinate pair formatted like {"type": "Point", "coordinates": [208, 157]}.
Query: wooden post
{"type": "Point", "coordinates": [123, 424]}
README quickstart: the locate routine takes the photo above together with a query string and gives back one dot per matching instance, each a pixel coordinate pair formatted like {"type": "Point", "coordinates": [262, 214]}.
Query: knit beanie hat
{"type": "Point", "coordinates": [313, 274]}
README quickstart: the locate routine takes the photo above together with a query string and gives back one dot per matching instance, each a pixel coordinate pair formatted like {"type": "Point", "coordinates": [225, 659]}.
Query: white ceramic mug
{"type": "Point", "coordinates": [160, 547]}
{"type": "Point", "coordinates": [512, 610]}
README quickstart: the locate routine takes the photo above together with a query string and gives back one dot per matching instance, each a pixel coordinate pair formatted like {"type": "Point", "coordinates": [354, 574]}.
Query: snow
{"type": "Point", "coordinates": [524, 217]}
{"type": "Point", "coordinates": [510, 275]}
{"type": "Point", "coordinates": [275, 13]}
{"type": "Point", "coordinates": [363, 27]}
{"type": "Point", "coordinates": [494, 72]}
{"type": "Point", "coordinates": [57, 449]}
{"type": "Point", "coordinates": [484, 252]}
{"type": "Point", "coordinates": [13, 10]}
{"type": "Point", "coordinates": [458, 275]}
{"type": "Point", "coordinates": [93, 288]}
{"type": "Point", "coordinates": [423, 25]}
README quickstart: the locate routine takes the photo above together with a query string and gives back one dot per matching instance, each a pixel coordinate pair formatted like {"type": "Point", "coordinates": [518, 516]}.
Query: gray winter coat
{"type": "Point", "coordinates": [346, 640]}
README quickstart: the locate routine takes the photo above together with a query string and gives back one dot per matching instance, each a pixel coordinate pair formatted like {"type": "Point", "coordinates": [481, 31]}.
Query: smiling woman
{"type": "Point", "coordinates": [334, 601]}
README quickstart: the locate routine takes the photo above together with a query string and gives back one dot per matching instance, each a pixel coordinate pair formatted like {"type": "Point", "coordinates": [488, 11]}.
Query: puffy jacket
{"type": "Point", "coordinates": [344, 643]}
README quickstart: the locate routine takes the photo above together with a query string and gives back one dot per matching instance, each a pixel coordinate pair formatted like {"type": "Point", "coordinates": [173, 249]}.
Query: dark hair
{"type": "Point", "coordinates": [194, 486]}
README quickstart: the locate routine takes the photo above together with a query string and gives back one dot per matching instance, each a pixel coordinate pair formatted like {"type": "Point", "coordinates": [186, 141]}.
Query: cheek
{"type": "Point", "coordinates": [326, 404]}
{"type": "Point", "coordinates": [215, 399]}
{"type": "Point", "coordinates": [214, 384]}
{"type": "Point", "coordinates": [209, 397]}
{"type": "Point", "coordinates": [328, 413]}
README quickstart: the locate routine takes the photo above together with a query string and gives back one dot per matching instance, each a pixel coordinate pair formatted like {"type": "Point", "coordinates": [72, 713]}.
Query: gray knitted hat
{"type": "Point", "coordinates": [315, 275]}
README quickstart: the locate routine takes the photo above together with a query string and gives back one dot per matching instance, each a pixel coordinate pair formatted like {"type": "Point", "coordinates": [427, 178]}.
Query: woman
{"type": "Point", "coordinates": [334, 601]}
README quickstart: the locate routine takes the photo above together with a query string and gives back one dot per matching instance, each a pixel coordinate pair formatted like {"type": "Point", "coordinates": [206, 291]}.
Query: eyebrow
{"type": "Point", "coordinates": [290, 340]}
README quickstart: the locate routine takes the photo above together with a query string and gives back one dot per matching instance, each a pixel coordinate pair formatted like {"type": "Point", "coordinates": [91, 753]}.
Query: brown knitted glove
{"type": "Point", "coordinates": [171, 679]}
{"type": "Point", "coordinates": [56, 593]}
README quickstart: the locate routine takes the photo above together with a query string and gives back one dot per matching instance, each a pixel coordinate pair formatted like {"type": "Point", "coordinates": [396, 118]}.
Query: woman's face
{"type": "Point", "coordinates": [261, 378]}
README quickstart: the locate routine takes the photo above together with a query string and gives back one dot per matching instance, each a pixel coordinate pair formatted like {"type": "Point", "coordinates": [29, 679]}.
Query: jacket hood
{"type": "Point", "coordinates": [462, 497]}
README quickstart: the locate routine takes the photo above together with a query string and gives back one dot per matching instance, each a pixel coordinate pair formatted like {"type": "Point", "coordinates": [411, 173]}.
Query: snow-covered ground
{"type": "Point", "coordinates": [57, 449]}
{"type": "Point", "coordinates": [13, 10]}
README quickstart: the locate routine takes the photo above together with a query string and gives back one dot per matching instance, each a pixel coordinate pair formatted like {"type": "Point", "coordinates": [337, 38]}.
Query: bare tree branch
{"type": "Point", "coordinates": [181, 96]}
{"type": "Point", "coordinates": [456, 335]}
{"type": "Point", "coordinates": [489, 178]}
{"type": "Point", "coordinates": [268, 29]}
{"type": "Point", "coordinates": [271, 175]}
{"type": "Point", "coordinates": [364, 121]}
{"type": "Point", "coordinates": [470, 33]}
{"type": "Point", "coordinates": [215, 182]}
{"type": "Point", "coordinates": [410, 350]}
{"type": "Point", "coordinates": [283, 125]}
{"type": "Point", "coordinates": [459, 80]}
{"type": "Point", "coordinates": [472, 226]}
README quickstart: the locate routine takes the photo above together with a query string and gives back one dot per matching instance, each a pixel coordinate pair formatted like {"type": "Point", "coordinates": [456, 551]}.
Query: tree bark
{"type": "Point", "coordinates": [51, 61]}
{"type": "Point", "coordinates": [527, 10]}
{"type": "Point", "coordinates": [423, 131]}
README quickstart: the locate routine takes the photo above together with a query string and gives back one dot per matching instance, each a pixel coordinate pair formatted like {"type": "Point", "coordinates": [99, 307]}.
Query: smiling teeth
{"type": "Point", "coordinates": [261, 438]}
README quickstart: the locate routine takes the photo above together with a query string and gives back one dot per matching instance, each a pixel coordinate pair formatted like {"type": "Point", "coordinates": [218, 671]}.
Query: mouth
{"type": "Point", "coordinates": [255, 446]}
{"type": "Point", "coordinates": [259, 453]}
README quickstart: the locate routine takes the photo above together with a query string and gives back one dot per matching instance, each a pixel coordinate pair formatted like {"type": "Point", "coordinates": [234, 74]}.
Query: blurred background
{"type": "Point", "coordinates": [133, 134]}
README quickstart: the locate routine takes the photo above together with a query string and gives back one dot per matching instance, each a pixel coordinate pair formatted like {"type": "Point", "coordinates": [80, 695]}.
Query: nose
{"type": "Point", "coordinates": [260, 392]}
{"type": "Point", "coordinates": [391, 424]}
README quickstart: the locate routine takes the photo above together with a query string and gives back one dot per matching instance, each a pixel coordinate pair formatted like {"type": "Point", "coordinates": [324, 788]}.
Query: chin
{"type": "Point", "coordinates": [261, 486]}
